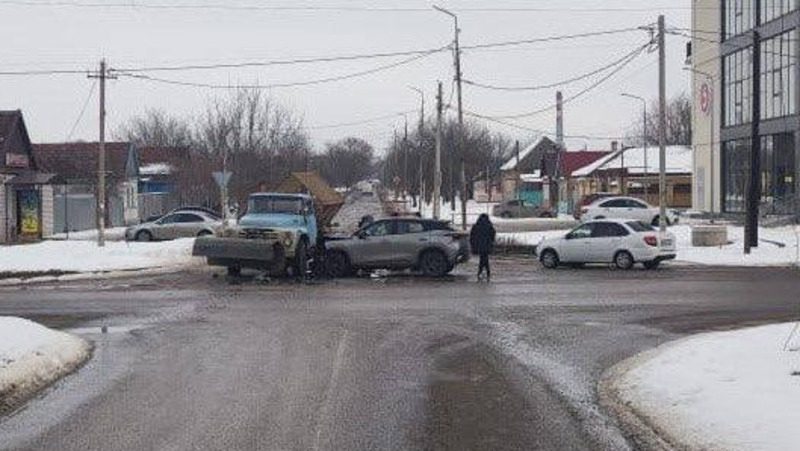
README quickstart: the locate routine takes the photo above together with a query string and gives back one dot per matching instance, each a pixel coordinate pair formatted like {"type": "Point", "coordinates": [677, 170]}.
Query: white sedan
{"type": "Point", "coordinates": [625, 208]}
{"type": "Point", "coordinates": [622, 242]}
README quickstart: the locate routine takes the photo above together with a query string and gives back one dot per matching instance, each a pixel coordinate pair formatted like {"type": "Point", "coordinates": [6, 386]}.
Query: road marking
{"type": "Point", "coordinates": [326, 401]}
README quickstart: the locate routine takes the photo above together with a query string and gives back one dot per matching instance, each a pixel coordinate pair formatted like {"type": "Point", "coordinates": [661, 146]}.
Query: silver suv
{"type": "Point", "coordinates": [429, 246]}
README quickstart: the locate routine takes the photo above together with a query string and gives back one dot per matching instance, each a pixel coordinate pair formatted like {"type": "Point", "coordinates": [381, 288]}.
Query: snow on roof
{"type": "Point", "coordinates": [536, 176]}
{"type": "Point", "coordinates": [511, 164]}
{"type": "Point", "coordinates": [679, 161]}
{"type": "Point", "coordinates": [156, 169]}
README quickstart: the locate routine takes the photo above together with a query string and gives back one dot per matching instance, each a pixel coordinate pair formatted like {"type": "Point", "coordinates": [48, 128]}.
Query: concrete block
{"type": "Point", "coordinates": [709, 235]}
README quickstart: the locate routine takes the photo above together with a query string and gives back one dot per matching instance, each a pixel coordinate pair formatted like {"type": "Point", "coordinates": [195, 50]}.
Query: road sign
{"type": "Point", "coordinates": [222, 178]}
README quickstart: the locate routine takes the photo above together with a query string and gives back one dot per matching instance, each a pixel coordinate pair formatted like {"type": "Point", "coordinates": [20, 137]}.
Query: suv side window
{"type": "Point", "coordinates": [381, 228]}
{"type": "Point", "coordinates": [404, 227]}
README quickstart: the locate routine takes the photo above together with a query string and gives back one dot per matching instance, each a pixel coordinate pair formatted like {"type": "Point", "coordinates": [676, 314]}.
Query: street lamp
{"type": "Point", "coordinates": [644, 139]}
{"type": "Point", "coordinates": [710, 83]}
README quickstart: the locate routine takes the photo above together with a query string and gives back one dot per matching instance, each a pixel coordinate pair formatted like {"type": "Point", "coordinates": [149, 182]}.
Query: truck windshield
{"type": "Point", "coordinates": [286, 205]}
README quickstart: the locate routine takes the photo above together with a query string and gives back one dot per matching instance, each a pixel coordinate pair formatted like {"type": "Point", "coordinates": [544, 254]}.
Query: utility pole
{"type": "Point", "coordinates": [460, 139]}
{"type": "Point", "coordinates": [555, 188]}
{"type": "Point", "coordinates": [405, 157]}
{"type": "Point", "coordinates": [662, 127]}
{"type": "Point", "coordinates": [100, 209]}
{"type": "Point", "coordinates": [420, 131]}
{"type": "Point", "coordinates": [754, 180]}
{"type": "Point", "coordinates": [437, 169]}
{"type": "Point", "coordinates": [517, 179]}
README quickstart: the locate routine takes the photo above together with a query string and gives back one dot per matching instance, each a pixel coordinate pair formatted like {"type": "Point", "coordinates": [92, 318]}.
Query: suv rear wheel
{"type": "Point", "coordinates": [434, 263]}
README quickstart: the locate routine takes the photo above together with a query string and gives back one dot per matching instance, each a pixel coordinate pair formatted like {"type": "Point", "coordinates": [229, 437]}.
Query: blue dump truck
{"type": "Point", "coordinates": [279, 231]}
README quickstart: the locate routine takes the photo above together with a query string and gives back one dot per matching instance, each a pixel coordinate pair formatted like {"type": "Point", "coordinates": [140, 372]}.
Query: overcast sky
{"type": "Point", "coordinates": [67, 36]}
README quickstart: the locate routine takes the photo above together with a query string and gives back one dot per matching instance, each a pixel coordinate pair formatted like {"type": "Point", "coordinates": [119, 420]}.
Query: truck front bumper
{"type": "Point", "coordinates": [242, 252]}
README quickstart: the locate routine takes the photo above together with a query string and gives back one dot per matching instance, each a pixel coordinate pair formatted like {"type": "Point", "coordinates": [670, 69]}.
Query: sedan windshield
{"type": "Point", "coordinates": [285, 205]}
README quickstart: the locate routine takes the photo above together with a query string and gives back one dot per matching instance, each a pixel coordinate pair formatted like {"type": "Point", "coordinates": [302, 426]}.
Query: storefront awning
{"type": "Point", "coordinates": [31, 178]}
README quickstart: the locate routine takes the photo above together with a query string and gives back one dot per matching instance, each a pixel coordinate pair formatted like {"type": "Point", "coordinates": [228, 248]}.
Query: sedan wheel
{"type": "Point", "coordinates": [434, 264]}
{"type": "Point", "coordinates": [144, 236]}
{"type": "Point", "coordinates": [549, 259]}
{"type": "Point", "coordinates": [623, 260]}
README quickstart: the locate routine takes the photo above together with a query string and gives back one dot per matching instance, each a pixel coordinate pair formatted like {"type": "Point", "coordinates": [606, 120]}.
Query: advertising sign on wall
{"type": "Point", "coordinates": [28, 201]}
{"type": "Point", "coordinates": [16, 160]}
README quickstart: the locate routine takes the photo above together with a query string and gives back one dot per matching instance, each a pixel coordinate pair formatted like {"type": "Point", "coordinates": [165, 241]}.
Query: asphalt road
{"type": "Point", "coordinates": [192, 362]}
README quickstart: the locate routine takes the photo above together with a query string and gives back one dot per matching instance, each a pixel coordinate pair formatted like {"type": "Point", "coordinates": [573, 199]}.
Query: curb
{"type": "Point", "coordinates": [634, 424]}
{"type": "Point", "coordinates": [22, 391]}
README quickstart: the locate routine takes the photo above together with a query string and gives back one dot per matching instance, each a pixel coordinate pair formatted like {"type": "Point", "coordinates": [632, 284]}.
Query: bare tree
{"type": "Point", "coordinates": [679, 123]}
{"type": "Point", "coordinates": [156, 128]}
{"type": "Point", "coordinates": [346, 162]}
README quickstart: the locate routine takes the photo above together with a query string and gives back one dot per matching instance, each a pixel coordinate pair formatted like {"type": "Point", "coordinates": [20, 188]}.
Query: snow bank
{"type": "Point", "coordinates": [724, 390]}
{"type": "Point", "coordinates": [111, 234]}
{"type": "Point", "coordinates": [766, 254]}
{"type": "Point", "coordinates": [33, 356]}
{"type": "Point", "coordinates": [85, 256]}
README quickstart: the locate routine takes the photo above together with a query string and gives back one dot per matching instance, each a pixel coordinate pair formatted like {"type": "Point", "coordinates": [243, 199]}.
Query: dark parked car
{"type": "Point", "coordinates": [519, 209]}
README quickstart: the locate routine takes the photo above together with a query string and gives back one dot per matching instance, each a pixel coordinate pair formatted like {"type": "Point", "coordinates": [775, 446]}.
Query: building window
{"type": "Point", "coordinates": [739, 16]}
{"type": "Point", "coordinates": [735, 167]}
{"type": "Point", "coordinates": [773, 9]}
{"type": "Point", "coordinates": [777, 173]}
{"type": "Point", "coordinates": [738, 86]}
{"type": "Point", "coordinates": [778, 75]}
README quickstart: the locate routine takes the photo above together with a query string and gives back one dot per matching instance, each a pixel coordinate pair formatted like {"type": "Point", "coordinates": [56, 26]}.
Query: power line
{"type": "Point", "coordinates": [83, 111]}
{"type": "Point", "coordinates": [630, 58]}
{"type": "Point", "coordinates": [555, 38]}
{"type": "Point", "coordinates": [335, 8]}
{"type": "Point", "coordinates": [321, 59]}
{"type": "Point", "coordinates": [279, 85]}
{"type": "Point", "coordinates": [535, 130]}
{"type": "Point", "coordinates": [416, 52]}
{"type": "Point", "coordinates": [556, 84]}
{"type": "Point", "coordinates": [363, 121]}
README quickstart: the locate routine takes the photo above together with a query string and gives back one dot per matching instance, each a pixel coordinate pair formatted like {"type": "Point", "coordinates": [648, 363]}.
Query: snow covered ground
{"type": "Point", "coordinates": [33, 356]}
{"type": "Point", "coordinates": [111, 234]}
{"type": "Point", "coordinates": [767, 254]}
{"type": "Point", "coordinates": [85, 256]}
{"type": "Point", "coordinates": [734, 390]}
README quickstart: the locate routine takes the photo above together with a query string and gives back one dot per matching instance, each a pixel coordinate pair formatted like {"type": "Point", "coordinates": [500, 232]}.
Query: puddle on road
{"type": "Point", "coordinates": [98, 330]}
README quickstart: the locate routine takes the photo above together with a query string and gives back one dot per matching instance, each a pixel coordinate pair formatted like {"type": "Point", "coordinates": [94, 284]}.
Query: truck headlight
{"type": "Point", "coordinates": [287, 241]}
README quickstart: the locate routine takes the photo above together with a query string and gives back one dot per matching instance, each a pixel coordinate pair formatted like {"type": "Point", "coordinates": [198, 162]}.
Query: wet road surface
{"type": "Point", "coordinates": [193, 362]}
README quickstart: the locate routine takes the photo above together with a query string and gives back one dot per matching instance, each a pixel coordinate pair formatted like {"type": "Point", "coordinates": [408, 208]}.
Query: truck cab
{"type": "Point", "coordinates": [277, 231]}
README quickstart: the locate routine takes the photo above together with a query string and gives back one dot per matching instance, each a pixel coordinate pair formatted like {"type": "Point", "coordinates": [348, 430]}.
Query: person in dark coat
{"type": "Point", "coordinates": [481, 240]}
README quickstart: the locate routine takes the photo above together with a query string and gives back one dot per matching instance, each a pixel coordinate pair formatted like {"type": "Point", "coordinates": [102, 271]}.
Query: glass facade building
{"type": "Point", "coordinates": [777, 23]}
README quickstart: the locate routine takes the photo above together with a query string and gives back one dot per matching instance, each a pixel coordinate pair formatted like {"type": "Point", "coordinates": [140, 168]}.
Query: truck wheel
{"type": "Point", "coordinates": [337, 265]}
{"type": "Point", "coordinates": [434, 264]}
{"type": "Point", "coordinates": [301, 260]}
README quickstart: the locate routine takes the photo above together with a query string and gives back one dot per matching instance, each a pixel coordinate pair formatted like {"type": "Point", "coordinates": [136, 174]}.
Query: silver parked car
{"type": "Point", "coordinates": [180, 223]}
{"type": "Point", "coordinates": [429, 246]}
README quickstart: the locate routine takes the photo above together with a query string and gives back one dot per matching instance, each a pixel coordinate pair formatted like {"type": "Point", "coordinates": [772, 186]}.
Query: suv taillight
{"type": "Point", "coordinates": [651, 240]}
